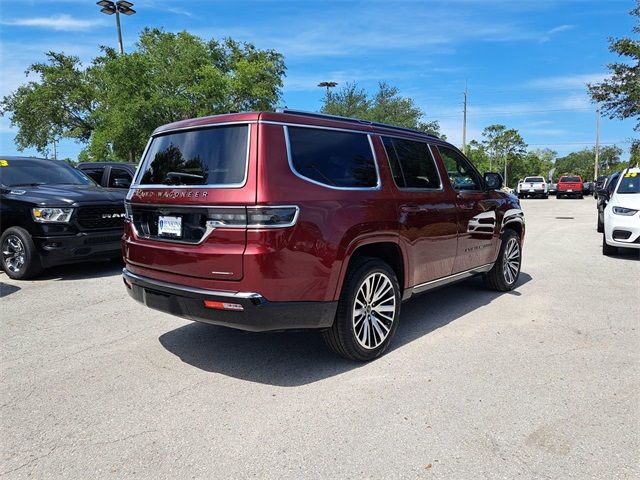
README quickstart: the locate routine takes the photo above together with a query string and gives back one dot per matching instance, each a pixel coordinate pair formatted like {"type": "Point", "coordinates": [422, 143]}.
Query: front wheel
{"type": "Point", "coordinates": [505, 272]}
{"type": "Point", "coordinates": [600, 225]}
{"type": "Point", "coordinates": [20, 260]}
{"type": "Point", "coordinates": [368, 312]}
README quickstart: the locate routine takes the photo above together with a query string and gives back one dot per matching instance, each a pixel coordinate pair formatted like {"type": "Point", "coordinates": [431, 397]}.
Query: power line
{"type": "Point", "coordinates": [519, 112]}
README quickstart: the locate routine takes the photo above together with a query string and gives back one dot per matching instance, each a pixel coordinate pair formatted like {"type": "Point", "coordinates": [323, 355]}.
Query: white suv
{"type": "Point", "coordinates": [533, 187]}
{"type": "Point", "coordinates": [622, 214]}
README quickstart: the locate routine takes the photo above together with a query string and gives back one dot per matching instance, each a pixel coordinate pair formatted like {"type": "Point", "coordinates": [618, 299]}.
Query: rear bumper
{"type": "Point", "coordinates": [257, 314]}
{"type": "Point", "coordinates": [82, 247]}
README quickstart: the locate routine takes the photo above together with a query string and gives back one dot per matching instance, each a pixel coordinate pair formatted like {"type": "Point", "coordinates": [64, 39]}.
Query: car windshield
{"type": "Point", "coordinates": [32, 172]}
{"type": "Point", "coordinates": [534, 179]}
{"type": "Point", "coordinates": [630, 183]}
{"type": "Point", "coordinates": [571, 179]}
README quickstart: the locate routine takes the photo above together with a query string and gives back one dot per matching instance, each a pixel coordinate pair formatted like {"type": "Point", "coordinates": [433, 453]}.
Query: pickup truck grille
{"type": "Point", "coordinates": [101, 217]}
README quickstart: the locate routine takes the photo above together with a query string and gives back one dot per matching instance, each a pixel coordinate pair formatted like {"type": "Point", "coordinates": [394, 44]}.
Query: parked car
{"type": "Point", "coordinates": [533, 187]}
{"type": "Point", "coordinates": [292, 220]}
{"type": "Point", "coordinates": [598, 184]}
{"type": "Point", "coordinates": [569, 186]}
{"type": "Point", "coordinates": [622, 214]}
{"type": "Point", "coordinates": [587, 187]}
{"type": "Point", "coordinates": [553, 188]}
{"type": "Point", "coordinates": [51, 214]}
{"type": "Point", "coordinates": [602, 198]}
{"type": "Point", "coordinates": [110, 174]}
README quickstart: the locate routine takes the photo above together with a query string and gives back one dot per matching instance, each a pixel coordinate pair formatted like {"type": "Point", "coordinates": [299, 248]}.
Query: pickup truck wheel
{"type": "Point", "coordinates": [608, 249]}
{"type": "Point", "coordinates": [600, 225]}
{"type": "Point", "coordinates": [368, 312]}
{"type": "Point", "coordinates": [504, 274]}
{"type": "Point", "coordinates": [20, 259]}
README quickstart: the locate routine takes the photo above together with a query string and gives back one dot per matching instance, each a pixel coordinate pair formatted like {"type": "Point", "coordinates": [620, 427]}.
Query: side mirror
{"type": "Point", "coordinates": [492, 181]}
{"type": "Point", "coordinates": [121, 183]}
{"type": "Point", "coordinates": [602, 192]}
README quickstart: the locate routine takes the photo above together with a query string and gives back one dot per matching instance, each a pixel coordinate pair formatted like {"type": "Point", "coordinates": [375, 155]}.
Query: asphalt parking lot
{"type": "Point", "coordinates": [541, 382]}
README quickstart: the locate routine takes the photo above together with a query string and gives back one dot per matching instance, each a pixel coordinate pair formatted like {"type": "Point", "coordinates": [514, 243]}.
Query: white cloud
{"type": "Point", "coordinates": [547, 35]}
{"type": "Point", "coordinates": [565, 82]}
{"type": "Point", "coordinates": [62, 22]}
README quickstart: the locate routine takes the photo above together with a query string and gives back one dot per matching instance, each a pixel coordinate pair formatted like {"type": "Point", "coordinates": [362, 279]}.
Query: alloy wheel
{"type": "Point", "coordinates": [511, 261]}
{"type": "Point", "coordinates": [13, 253]}
{"type": "Point", "coordinates": [374, 310]}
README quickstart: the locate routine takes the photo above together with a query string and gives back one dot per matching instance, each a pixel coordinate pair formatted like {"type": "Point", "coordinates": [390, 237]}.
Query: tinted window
{"type": "Point", "coordinates": [331, 157]}
{"type": "Point", "coordinates": [119, 177]}
{"type": "Point", "coordinates": [95, 174]}
{"type": "Point", "coordinates": [211, 156]}
{"type": "Point", "coordinates": [534, 179]}
{"type": "Point", "coordinates": [630, 183]}
{"type": "Point", "coordinates": [14, 173]}
{"type": "Point", "coordinates": [411, 163]}
{"type": "Point", "coordinates": [461, 173]}
{"type": "Point", "coordinates": [571, 179]}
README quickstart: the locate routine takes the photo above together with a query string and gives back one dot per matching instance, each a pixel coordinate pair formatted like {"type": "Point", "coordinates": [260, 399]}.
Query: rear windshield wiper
{"type": "Point", "coordinates": [172, 176]}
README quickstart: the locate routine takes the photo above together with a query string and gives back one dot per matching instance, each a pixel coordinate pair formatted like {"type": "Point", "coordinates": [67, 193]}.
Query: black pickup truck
{"type": "Point", "coordinates": [52, 214]}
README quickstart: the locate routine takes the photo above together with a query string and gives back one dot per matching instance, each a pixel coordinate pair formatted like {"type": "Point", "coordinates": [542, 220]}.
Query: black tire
{"type": "Point", "coordinates": [600, 225]}
{"type": "Point", "coordinates": [343, 337]}
{"type": "Point", "coordinates": [608, 249]}
{"type": "Point", "coordinates": [580, 197]}
{"type": "Point", "coordinates": [502, 278]}
{"type": "Point", "coordinates": [558, 196]}
{"type": "Point", "coordinates": [20, 259]}
{"type": "Point", "coordinates": [546, 196]}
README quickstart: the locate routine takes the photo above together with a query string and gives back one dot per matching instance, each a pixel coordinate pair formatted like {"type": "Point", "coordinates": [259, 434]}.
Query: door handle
{"type": "Point", "coordinates": [410, 208]}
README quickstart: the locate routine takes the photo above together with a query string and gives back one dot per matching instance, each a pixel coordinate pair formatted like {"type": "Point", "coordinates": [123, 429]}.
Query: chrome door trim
{"type": "Point", "coordinates": [439, 282]}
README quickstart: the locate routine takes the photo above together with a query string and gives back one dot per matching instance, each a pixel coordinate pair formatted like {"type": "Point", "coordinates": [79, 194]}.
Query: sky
{"type": "Point", "coordinates": [524, 63]}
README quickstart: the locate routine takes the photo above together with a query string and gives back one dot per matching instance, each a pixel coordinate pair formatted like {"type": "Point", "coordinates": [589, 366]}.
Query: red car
{"type": "Point", "coordinates": [292, 220]}
{"type": "Point", "coordinates": [569, 186]}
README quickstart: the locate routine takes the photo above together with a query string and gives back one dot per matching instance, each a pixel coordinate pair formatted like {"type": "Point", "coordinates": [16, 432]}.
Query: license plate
{"type": "Point", "coordinates": [170, 226]}
{"type": "Point", "coordinates": [531, 189]}
{"type": "Point", "coordinates": [569, 190]}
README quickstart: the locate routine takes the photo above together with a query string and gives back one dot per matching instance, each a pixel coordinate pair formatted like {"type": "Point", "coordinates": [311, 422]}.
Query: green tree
{"type": "Point", "coordinates": [504, 147]}
{"type": "Point", "coordinates": [619, 94]}
{"type": "Point", "coordinates": [115, 103]}
{"type": "Point", "coordinates": [385, 106]}
{"type": "Point", "coordinates": [582, 162]}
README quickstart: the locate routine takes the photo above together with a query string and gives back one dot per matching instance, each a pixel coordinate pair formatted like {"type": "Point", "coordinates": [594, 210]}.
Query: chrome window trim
{"type": "Point", "coordinates": [145, 162]}
{"type": "Point", "coordinates": [378, 184]}
{"type": "Point", "coordinates": [433, 159]}
{"type": "Point", "coordinates": [318, 127]}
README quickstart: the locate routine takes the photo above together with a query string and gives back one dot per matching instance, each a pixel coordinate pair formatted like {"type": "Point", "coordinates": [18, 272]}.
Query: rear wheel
{"type": "Point", "coordinates": [600, 225]}
{"type": "Point", "coordinates": [608, 249]}
{"type": "Point", "coordinates": [20, 259]}
{"type": "Point", "coordinates": [505, 272]}
{"type": "Point", "coordinates": [368, 312]}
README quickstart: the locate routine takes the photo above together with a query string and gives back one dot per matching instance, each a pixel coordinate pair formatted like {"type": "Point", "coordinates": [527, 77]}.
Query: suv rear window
{"type": "Point", "coordinates": [210, 156]}
{"type": "Point", "coordinates": [333, 158]}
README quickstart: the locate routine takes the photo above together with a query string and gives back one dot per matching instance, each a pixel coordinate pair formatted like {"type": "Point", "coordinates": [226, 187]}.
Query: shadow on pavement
{"type": "Point", "coordinates": [291, 359]}
{"type": "Point", "coordinates": [80, 271]}
{"type": "Point", "coordinates": [6, 289]}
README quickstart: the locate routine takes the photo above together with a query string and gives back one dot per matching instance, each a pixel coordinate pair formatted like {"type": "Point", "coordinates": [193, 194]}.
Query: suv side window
{"type": "Point", "coordinates": [411, 164]}
{"type": "Point", "coordinates": [119, 174]}
{"type": "Point", "coordinates": [94, 173]}
{"type": "Point", "coordinates": [461, 173]}
{"type": "Point", "coordinates": [332, 158]}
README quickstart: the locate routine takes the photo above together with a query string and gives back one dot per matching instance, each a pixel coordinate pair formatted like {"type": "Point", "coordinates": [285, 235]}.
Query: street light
{"type": "Point", "coordinates": [328, 85]}
{"type": "Point", "coordinates": [121, 6]}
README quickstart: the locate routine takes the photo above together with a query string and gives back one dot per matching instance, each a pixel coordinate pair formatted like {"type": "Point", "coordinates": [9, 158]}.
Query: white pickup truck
{"type": "Point", "coordinates": [533, 187]}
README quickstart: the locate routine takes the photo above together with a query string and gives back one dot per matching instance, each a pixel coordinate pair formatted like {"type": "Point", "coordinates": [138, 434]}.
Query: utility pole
{"type": "Point", "coordinates": [464, 122]}
{"type": "Point", "coordinates": [595, 168]}
{"type": "Point", "coordinates": [55, 150]}
{"type": "Point", "coordinates": [110, 7]}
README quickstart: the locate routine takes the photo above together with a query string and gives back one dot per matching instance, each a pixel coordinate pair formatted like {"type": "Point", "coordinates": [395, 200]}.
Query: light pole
{"type": "Point", "coordinates": [121, 6]}
{"type": "Point", "coordinates": [328, 85]}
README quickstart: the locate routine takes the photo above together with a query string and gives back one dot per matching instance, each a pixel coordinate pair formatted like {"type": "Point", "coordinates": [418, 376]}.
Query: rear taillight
{"type": "Point", "coordinates": [236, 307]}
{"type": "Point", "coordinates": [253, 217]}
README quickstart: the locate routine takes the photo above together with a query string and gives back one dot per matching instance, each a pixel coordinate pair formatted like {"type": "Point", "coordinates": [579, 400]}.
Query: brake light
{"type": "Point", "coordinates": [253, 217]}
{"type": "Point", "coordinates": [223, 305]}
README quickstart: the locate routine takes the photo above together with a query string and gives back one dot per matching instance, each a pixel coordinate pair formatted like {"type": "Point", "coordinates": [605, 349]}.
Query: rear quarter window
{"type": "Point", "coordinates": [332, 158]}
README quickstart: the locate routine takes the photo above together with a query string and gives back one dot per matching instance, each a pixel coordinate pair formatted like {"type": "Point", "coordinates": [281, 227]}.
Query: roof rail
{"type": "Point", "coordinates": [352, 120]}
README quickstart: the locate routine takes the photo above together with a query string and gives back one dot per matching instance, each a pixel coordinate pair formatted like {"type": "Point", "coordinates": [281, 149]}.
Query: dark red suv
{"type": "Point", "coordinates": [293, 220]}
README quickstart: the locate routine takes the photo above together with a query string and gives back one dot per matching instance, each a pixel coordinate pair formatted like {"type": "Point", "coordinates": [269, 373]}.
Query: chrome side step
{"type": "Point", "coordinates": [440, 282]}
